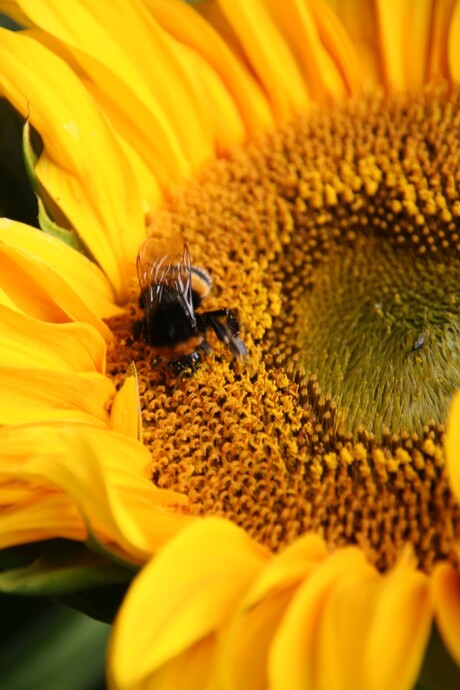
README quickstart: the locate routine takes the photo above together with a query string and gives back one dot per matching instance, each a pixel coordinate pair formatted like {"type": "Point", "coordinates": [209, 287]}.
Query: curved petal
{"type": "Point", "coordinates": [130, 43]}
{"type": "Point", "coordinates": [360, 21]}
{"type": "Point", "coordinates": [338, 43]}
{"type": "Point", "coordinates": [225, 120]}
{"type": "Point", "coordinates": [154, 157]}
{"type": "Point", "coordinates": [417, 43]}
{"type": "Point", "coordinates": [46, 515]}
{"type": "Point", "coordinates": [35, 288]}
{"type": "Point", "coordinates": [268, 54]}
{"type": "Point", "coordinates": [244, 648]}
{"type": "Point", "coordinates": [86, 279]}
{"type": "Point", "coordinates": [400, 43]}
{"type": "Point", "coordinates": [438, 56]}
{"type": "Point", "coordinates": [125, 415]}
{"type": "Point", "coordinates": [183, 23]}
{"type": "Point", "coordinates": [70, 347]}
{"type": "Point", "coordinates": [319, 45]}
{"type": "Point", "coordinates": [454, 44]}
{"type": "Point", "coordinates": [400, 623]}
{"type": "Point", "coordinates": [197, 579]}
{"type": "Point", "coordinates": [340, 620]}
{"type": "Point", "coordinates": [452, 446]}
{"type": "Point", "coordinates": [32, 394]}
{"type": "Point", "coordinates": [83, 480]}
{"type": "Point", "coordinates": [192, 670]}
{"type": "Point", "coordinates": [446, 599]}
{"type": "Point", "coordinates": [105, 210]}
{"type": "Point", "coordinates": [412, 40]}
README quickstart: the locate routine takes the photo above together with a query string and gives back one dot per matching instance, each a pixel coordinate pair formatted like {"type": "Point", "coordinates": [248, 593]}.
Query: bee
{"type": "Point", "coordinates": [172, 290]}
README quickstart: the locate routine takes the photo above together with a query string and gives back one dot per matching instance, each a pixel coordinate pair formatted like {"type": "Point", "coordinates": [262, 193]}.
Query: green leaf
{"type": "Point", "coordinates": [63, 651]}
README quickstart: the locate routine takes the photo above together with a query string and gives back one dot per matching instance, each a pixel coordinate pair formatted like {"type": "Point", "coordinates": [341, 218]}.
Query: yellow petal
{"type": "Point", "coordinates": [342, 618]}
{"type": "Point", "coordinates": [452, 446]}
{"type": "Point", "coordinates": [129, 42]}
{"type": "Point", "coordinates": [298, 23]}
{"type": "Point", "coordinates": [189, 28]}
{"type": "Point", "coordinates": [191, 670]}
{"type": "Point", "coordinates": [101, 474]}
{"type": "Point", "coordinates": [438, 56]}
{"type": "Point", "coordinates": [197, 579]}
{"type": "Point", "coordinates": [359, 19]}
{"type": "Point", "coordinates": [155, 155]}
{"type": "Point", "coordinates": [36, 289]}
{"type": "Point", "coordinates": [400, 624]}
{"type": "Point", "coordinates": [125, 415]}
{"type": "Point", "coordinates": [391, 41]}
{"type": "Point", "coordinates": [405, 41]}
{"type": "Point", "coordinates": [341, 48]}
{"type": "Point", "coordinates": [226, 122]}
{"type": "Point", "coordinates": [83, 275]}
{"type": "Point", "coordinates": [42, 515]}
{"type": "Point", "coordinates": [268, 54]}
{"type": "Point", "coordinates": [39, 394]}
{"type": "Point", "coordinates": [245, 646]}
{"type": "Point", "coordinates": [142, 135]}
{"type": "Point", "coordinates": [417, 44]}
{"type": "Point", "coordinates": [27, 342]}
{"type": "Point", "coordinates": [446, 598]}
{"type": "Point", "coordinates": [105, 210]}
{"type": "Point", "coordinates": [454, 44]}
{"type": "Point", "coordinates": [297, 635]}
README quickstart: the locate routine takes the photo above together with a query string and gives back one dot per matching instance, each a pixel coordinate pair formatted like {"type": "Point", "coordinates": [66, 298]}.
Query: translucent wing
{"type": "Point", "coordinates": [164, 275]}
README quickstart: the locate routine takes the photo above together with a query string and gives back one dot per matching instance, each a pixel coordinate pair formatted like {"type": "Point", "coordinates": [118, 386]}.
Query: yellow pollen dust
{"type": "Point", "coordinates": [337, 241]}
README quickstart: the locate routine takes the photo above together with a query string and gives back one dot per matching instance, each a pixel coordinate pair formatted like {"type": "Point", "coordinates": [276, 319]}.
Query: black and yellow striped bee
{"type": "Point", "coordinates": [172, 290]}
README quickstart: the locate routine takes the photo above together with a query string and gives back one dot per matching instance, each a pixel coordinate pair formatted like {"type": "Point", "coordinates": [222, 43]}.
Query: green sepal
{"type": "Point", "coordinates": [46, 223]}
{"type": "Point", "coordinates": [30, 157]}
{"type": "Point", "coordinates": [49, 227]}
{"type": "Point", "coordinates": [56, 568]}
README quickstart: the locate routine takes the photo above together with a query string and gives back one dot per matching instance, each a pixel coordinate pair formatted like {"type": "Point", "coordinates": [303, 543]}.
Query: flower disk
{"type": "Point", "coordinates": [336, 238]}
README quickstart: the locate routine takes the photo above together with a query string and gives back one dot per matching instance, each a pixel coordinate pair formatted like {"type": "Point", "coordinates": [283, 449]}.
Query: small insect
{"type": "Point", "coordinates": [420, 342]}
{"type": "Point", "coordinates": [171, 292]}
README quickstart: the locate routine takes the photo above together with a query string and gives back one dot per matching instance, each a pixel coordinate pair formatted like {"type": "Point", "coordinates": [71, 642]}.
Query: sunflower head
{"type": "Point", "coordinates": [336, 239]}
{"type": "Point", "coordinates": [296, 499]}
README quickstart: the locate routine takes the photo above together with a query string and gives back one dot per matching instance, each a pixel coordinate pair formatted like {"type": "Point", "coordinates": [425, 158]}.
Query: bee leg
{"type": "Point", "coordinates": [225, 324]}
{"type": "Point", "coordinates": [188, 363]}
{"type": "Point", "coordinates": [185, 366]}
{"type": "Point", "coordinates": [205, 347]}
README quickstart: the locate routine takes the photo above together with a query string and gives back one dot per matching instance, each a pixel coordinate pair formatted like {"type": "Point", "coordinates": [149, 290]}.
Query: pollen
{"type": "Point", "coordinates": [337, 241]}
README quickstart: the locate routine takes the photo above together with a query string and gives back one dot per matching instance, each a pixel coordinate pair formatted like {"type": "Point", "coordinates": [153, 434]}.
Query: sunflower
{"type": "Point", "coordinates": [295, 515]}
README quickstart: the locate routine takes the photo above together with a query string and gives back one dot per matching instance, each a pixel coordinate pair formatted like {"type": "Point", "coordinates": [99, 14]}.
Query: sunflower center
{"type": "Point", "coordinates": [337, 241]}
{"type": "Point", "coordinates": [380, 326]}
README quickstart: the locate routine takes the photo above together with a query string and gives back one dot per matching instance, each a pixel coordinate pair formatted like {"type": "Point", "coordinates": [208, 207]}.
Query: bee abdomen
{"type": "Point", "coordinates": [201, 284]}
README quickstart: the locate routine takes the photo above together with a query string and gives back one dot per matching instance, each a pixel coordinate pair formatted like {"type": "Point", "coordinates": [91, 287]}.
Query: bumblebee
{"type": "Point", "coordinates": [171, 292]}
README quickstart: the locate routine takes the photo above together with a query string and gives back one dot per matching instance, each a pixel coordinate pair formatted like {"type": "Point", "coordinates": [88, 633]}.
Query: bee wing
{"type": "Point", "coordinates": [157, 271]}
